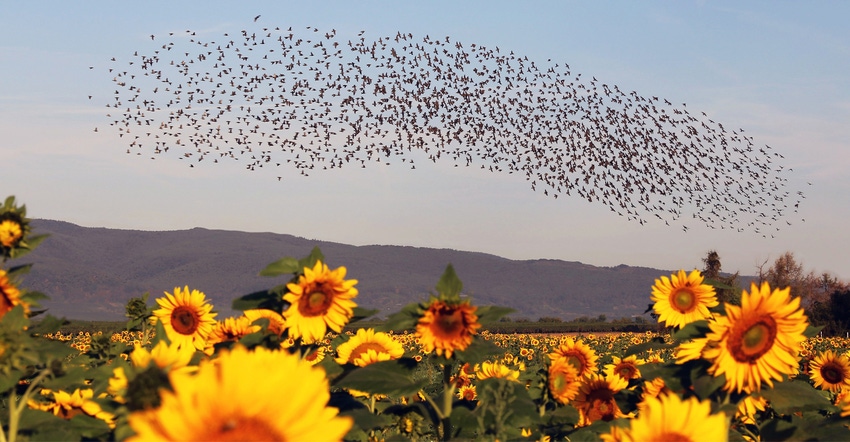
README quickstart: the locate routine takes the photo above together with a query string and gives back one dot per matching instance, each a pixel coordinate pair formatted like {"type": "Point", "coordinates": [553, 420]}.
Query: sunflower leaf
{"type": "Point", "coordinates": [361, 313]}
{"type": "Point", "coordinates": [263, 299]}
{"type": "Point", "coordinates": [449, 286]}
{"type": "Point", "coordinates": [696, 329]}
{"type": "Point", "coordinates": [795, 396]}
{"type": "Point", "coordinates": [283, 266]}
{"type": "Point", "coordinates": [310, 260]}
{"type": "Point", "coordinates": [393, 378]}
{"type": "Point", "coordinates": [404, 319]}
{"type": "Point", "coordinates": [812, 331]}
{"type": "Point", "coordinates": [491, 313]}
{"type": "Point", "coordinates": [478, 351]}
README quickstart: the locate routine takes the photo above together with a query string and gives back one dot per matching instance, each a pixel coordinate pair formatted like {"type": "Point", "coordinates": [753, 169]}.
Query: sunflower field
{"type": "Point", "coordinates": [287, 369]}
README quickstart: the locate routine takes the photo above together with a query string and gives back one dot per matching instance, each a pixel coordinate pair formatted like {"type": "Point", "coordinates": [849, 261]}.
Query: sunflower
{"type": "Point", "coordinates": [10, 233]}
{"type": "Point", "coordinates": [682, 299]}
{"type": "Point", "coordinates": [447, 327]}
{"type": "Point", "coordinates": [229, 330]}
{"type": "Point", "coordinates": [67, 405]}
{"type": "Point", "coordinates": [321, 299]}
{"type": "Point", "coordinates": [669, 418]}
{"type": "Point", "coordinates": [222, 401]}
{"type": "Point", "coordinates": [842, 401]}
{"type": "Point", "coordinates": [564, 381]}
{"type": "Point", "coordinates": [626, 368]}
{"type": "Point", "coordinates": [10, 296]}
{"type": "Point", "coordinates": [577, 353]}
{"type": "Point", "coordinates": [759, 341]}
{"type": "Point", "coordinates": [164, 356]}
{"type": "Point", "coordinates": [367, 347]}
{"type": "Point", "coordinates": [186, 316]}
{"type": "Point", "coordinates": [831, 371]}
{"type": "Point", "coordinates": [496, 370]}
{"type": "Point", "coordinates": [276, 322]}
{"type": "Point", "coordinates": [467, 392]}
{"type": "Point", "coordinates": [748, 407]}
{"type": "Point", "coordinates": [595, 399]}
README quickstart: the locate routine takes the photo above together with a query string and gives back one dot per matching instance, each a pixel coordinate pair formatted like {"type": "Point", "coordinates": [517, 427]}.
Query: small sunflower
{"type": "Point", "coordinates": [10, 296]}
{"type": "Point", "coordinates": [831, 371]}
{"type": "Point", "coordinates": [368, 346]}
{"type": "Point", "coordinates": [222, 401]}
{"type": "Point", "coordinates": [496, 370]}
{"type": "Point", "coordinates": [577, 353]}
{"type": "Point", "coordinates": [10, 233]}
{"type": "Point", "coordinates": [748, 407]}
{"type": "Point", "coordinates": [682, 298]}
{"type": "Point", "coordinates": [668, 418]}
{"type": "Point", "coordinates": [67, 405]}
{"type": "Point", "coordinates": [164, 356]}
{"type": "Point", "coordinates": [595, 400]}
{"type": "Point", "coordinates": [229, 330]}
{"type": "Point", "coordinates": [759, 341]}
{"type": "Point", "coordinates": [842, 401]}
{"type": "Point", "coordinates": [467, 392]}
{"type": "Point", "coordinates": [626, 368]}
{"type": "Point", "coordinates": [447, 327]}
{"type": "Point", "coordinates": [277, 324]}
{"type": "Point", "coordinates": [564, 381]}
{"type": "Point", "coordinates": [322, 299]}
{"type": "Point", "coordinates": [186, 316]}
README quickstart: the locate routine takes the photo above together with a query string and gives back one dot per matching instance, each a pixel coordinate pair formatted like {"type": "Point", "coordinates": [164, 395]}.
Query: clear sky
{"type": "Point", "coordinates": [776, 69]}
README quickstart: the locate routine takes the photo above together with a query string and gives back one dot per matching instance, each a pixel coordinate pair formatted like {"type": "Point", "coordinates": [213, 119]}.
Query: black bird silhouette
{"type": "Point", "coordinates": [312, 101]}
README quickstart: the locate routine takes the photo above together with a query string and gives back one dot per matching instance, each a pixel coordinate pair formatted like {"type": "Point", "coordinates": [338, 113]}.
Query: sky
{"type": "Point", "coordinates": [776, 69]}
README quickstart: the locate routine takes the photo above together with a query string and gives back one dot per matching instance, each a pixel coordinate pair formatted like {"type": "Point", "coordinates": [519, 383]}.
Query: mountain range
{"type": "Point", "coordinates": [91, 272]}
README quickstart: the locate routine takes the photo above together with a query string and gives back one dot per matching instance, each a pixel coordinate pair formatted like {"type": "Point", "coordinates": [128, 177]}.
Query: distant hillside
{"type": "Point", "coordinates": [90, 273]}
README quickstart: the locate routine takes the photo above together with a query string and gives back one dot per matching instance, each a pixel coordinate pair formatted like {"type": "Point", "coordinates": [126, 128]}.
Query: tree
{"type": "Point", "coordinates": [726, 288]}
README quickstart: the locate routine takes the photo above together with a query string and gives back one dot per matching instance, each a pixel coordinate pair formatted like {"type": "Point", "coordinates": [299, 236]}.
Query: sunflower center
{"type": "Point", "coordinates": [316, 302]}
{"type": "Point", "coordinates": [449, 322]}
{"type": "Point", "coordinates": [365, 347]}
{"type": "Point", "coordinates": [832, 374]}
{"type": "Point", "coordinates": [753, 341]}
{"type": "Point", "coordinates": [674, 437]}
{"type": "Point", "coordinates": [626, 371]}
{"type": "Point", "coordinates": [576, 361]}
{"type": "Point", "coordinates": [684, 300]}
{"type": "Point", "coordinates": [603, 408]}
{"type": "Point", "coordinates": [184, 320]}
{"type": "Point", "coordinates": [241, 429]}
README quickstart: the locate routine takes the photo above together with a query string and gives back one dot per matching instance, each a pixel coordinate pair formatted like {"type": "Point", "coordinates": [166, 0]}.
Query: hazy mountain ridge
{"type": "Point", "coordinates": [90, 273]}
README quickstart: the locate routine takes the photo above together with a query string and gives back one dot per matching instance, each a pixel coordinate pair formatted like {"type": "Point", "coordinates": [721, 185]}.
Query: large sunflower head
{"type": "Point", "coordinates": [564, 380]}
{"type": "Point", "coordinates": [10, 296]}
{"type": "Point", "coordinates": [221, 401]}
{"type": "Point", "coordinates": [322, 299]}
{"type": "Point", "coordinates": [669, 418]}
{"type": "Point", "coordinates": [577, 353]}
{"type": "Point", "coordinates": [759, 341]}
{"type": "Point", "coordinates": [682, 298]}
{"type": "Point", "coordinates": [595, 400]}
{"type": "Point", "coordinates": [831, 371]}
{"type": "Point", "coordinates": [447, 326]}
{"type": "Point", "coordinates": [626, 368]}
{"type": "Point", "coordinates": [368, 346]}
{"type": "Point", "coordinates": [186, 316]}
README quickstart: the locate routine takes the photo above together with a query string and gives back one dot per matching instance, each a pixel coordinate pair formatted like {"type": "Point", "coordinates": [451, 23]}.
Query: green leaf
{"type": "Point", "coordinates": [491, 313]}
{"type": "Point", "coordinates": [367, 420]}
{"type": "Point", "coordinates": [47, 324]}
{"type": "Point", "coordinates": [160, 335]}
{"type": "Point", "coordinates": [405, 319]}
{"type": "Point", "coordinates": [264, 299]}
{"type": "Point", "coordinates": [73, 377]}
{"type": "Point", "coordinates": [32, 419]}
{"type": "Point", "coordinates": [310, 260]}
{"type": "Point", "coordinates": [89, 426]}
{"type": "Point", "coordinates": [705, 385]}
{"type": "Point", "coordinates": [449, 286]}
{"type": "Point", "coordinates": [393, 378]}
{"type": "Point", "coordinates": [361, 313]}
{"type": "Point", "coordinates": [812, 331]}
{"type": "Point", "coordinates": [795, 396]}
{"type": "Point", "coordinates": [10, 380]}
{"type": "Point", "coordinates": [696, 329]}
{"type": "Point", "coordinates": [283, 266]}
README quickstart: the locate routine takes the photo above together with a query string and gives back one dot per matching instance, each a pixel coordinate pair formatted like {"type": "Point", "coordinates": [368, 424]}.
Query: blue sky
{"type": "Point", "coordinates": [776, 69]}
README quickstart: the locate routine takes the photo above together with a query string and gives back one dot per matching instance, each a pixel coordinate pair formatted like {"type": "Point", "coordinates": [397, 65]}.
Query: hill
{"type": "Point", "coordinates": [90, 273]}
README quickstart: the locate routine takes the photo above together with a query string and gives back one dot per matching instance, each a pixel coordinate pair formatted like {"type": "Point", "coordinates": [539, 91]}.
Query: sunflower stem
{"type": "Point", "coordinates": [448, 398]}
{"type": "Point", "coordinates": [15, 410]}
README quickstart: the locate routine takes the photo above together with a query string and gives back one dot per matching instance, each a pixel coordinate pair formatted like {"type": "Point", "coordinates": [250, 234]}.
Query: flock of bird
{"type": "Point", "coordinates": [302, 100]}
